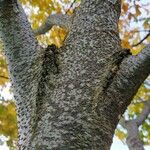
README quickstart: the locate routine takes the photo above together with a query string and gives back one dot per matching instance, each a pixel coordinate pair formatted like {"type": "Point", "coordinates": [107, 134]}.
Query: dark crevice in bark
{"type": "Point", "coordinates": [117, 59]}
{"type": "Point", "coordinates": [49, 66]}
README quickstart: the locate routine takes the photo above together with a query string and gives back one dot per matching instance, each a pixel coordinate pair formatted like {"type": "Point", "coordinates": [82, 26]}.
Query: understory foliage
{"type": "Point", "coordinates": [134, 27]}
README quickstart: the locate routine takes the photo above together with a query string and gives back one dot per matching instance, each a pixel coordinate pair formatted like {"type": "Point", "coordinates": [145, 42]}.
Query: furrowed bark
{"type": "Point", "coordinates": [73, 107]}
{"type": "Point", "coordinates": [23, 57]}
{"type": "Point", "coordinates": [133, 140]}
{"type": "Point", "coordinates": [68, 118]}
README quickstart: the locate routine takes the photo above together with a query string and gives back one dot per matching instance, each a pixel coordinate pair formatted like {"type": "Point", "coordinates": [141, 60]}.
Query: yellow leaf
{"type": "Point", "coordinates": [130, 16]}
{"type": "Point", "coordinates": [125, 7]}
{"type": "Point", "coordinates": [126, 44]}
{"type": "Point", "coordinates": [121, 135]}
{"type": "Point", "coordinates": [138, 12]}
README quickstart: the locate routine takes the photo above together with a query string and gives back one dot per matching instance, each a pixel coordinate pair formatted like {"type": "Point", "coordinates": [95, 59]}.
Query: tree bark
{"type": "Point", "coordinates": [76, 103]}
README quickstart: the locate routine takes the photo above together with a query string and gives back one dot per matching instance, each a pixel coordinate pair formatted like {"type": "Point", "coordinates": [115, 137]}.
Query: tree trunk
{"type": "Point", "coordinates": [75, 104]}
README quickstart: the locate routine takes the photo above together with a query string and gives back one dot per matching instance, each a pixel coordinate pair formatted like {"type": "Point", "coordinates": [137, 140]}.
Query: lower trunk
{"type": "Point", "coordinates": [72, 111]}
{"type": "Point", "coordinates": [67, 120]}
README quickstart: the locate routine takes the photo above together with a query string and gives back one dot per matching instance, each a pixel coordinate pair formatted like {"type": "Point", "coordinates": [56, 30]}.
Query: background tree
{"type": "Point", "coordinates": [38, 12]}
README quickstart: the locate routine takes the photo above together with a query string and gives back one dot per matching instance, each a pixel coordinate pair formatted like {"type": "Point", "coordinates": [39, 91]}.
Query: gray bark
{"type": "Point", "coordinates": [76, 104]}
{"type": "Point", "coordinates": [24, 62]}
{"type": "Point", "coordinates": [56, 19]}
{"type": "Point", "coordinates": [133, 140]}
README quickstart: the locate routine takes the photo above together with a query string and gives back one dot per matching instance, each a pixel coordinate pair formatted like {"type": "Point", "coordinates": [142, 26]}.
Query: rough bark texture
{"type": "Point", "coordinates": [23, 56]}
{"type": "Point", "coordinates": [56, 19]}
{"type": "Point", "coordinates": [76, 104]}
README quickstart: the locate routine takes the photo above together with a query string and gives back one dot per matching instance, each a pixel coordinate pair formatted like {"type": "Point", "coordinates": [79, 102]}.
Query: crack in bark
{"type": "Point", "coordinates": [49, 66]}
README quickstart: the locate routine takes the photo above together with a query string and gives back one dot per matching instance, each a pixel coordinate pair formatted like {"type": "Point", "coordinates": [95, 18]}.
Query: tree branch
{"type": "Point", "coordinates": [70, 6]}
{"type": "Point", "coordinates": [146, 110]}
{"type": "Point", "coordinates": [56, 19]}
{"type": "Point", "coordinates": [23, 55]}
{"type": "Point", "coordinates": [141, 40]}
{"type": "Point", "coordinates": [133, 71]}
{"type": "Point", "coordinates": [133, 140]}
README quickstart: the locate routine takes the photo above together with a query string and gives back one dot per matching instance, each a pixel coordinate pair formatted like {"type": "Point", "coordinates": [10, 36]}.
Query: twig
{"type": "Point", "coordinates": [142, 40]}
{"type": "Point", "coordinates": [4, 77]}
{"type": "Point", "coordinates": [141, 31]}
{"type": "Point", "coordinates": [70, 6]}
